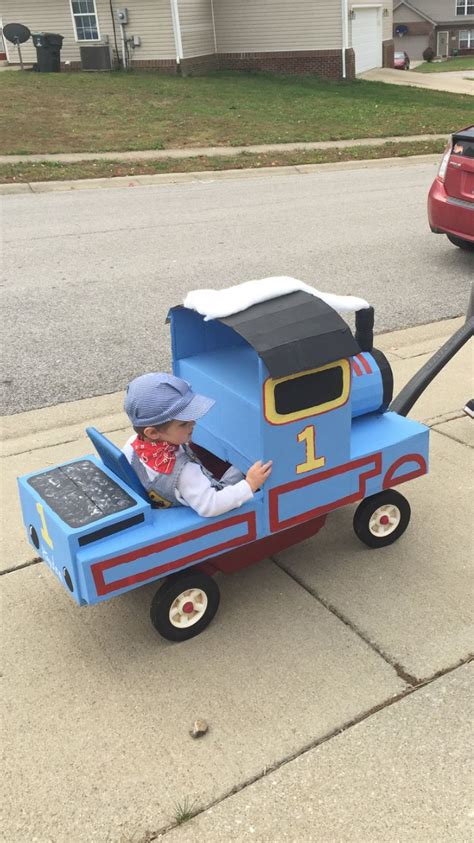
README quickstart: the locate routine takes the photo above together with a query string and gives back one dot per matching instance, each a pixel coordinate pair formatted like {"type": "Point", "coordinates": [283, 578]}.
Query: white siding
{"type": "Point", "coordinates": [245, 26]}
{"type": "Point", "coordinates": [197, 32]}
{"type": "Point", "coordinates": [241, 25]}
{"type": "Point", "coordinates": [47, 16]}
{"type": "Point", "coordinates": [150, 19]}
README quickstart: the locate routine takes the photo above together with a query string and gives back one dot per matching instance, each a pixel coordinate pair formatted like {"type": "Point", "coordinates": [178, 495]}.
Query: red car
{"type": "Point", "coordinates": [451, 198]}
{"type": "Point", "coordinates": [401, 61]}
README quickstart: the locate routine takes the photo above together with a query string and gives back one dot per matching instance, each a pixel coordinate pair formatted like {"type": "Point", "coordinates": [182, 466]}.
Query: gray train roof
{"type": "Point", "coordinates": [294, 332]}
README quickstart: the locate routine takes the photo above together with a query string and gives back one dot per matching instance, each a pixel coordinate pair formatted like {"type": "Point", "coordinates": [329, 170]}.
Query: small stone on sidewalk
{"type": "Point", "coordinates": [199, 729]}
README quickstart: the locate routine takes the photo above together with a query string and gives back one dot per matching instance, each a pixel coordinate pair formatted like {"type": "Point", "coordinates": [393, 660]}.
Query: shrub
{"type": "Point", "coordinates": [428, 54]}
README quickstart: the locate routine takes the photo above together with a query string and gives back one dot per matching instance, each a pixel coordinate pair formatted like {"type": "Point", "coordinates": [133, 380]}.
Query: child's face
{"type": "Point", "coordinates": [176, 432]}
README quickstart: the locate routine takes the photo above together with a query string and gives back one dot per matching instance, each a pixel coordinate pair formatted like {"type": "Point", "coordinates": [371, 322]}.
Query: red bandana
{"type": "Point", "coordinates": [160, 456]}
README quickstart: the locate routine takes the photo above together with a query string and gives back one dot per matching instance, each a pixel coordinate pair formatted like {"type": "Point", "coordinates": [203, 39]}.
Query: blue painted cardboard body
{"type": "Point", "coordinates": [323, 428]}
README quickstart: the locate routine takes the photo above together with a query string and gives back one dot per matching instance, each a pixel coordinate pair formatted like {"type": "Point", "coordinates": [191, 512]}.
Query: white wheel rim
{"type": "Point", "coordinates": [188, 608]}
{"type": "Point", "coordinates": [384, 520]}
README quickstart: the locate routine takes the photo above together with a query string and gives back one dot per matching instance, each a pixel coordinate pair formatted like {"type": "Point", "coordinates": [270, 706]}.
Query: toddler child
{"type": "Point", "coordinates": [163, 410]}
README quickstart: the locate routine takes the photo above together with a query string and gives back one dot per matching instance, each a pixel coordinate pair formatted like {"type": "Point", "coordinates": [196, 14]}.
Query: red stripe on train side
{"type": "Point", "coordinates": [370, 466]}
{"type": "Point", "coordinates": [389, 479]}
{"type": "Point", "coordinates": [98, 568]}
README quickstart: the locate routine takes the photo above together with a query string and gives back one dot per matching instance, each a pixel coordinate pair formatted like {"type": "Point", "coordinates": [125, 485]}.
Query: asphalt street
{"type": "Point", "coordinates": [89, 275]}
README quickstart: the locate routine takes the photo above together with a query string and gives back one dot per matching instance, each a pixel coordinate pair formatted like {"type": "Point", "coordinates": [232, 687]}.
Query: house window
{"type": "Point", "coordinates": [465, 7]}
{"type": "Point", "coordinates": [466, 39]}
{"type": "Point", "coordinates": [307, 393]}
{"type": "Point", "coordinates": [85, 20]}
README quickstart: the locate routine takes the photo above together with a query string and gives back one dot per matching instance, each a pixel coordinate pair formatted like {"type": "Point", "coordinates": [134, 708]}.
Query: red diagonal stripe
{"type": "Point", "coordinates": [365, 364]}
{"type": "Point", "coordinates": [355, 366]}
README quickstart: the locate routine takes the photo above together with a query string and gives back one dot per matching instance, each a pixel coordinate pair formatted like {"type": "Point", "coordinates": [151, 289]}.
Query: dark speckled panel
{"type": "Point", "coordinates": [80, 493]}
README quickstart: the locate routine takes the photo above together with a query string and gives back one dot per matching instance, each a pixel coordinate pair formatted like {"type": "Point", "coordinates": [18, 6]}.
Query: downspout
{"type": "Point", "coordinates": [112, 15]}
{"type": "Point", "coordinates": [214, 27]}
{"type": "Point", "coordinates": [345, 35]}
{"type": "Point", "coordinates": [177, 31]}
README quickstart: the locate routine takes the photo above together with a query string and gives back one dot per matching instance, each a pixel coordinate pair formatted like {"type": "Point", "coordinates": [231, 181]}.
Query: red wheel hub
{"type": "Point", "coordinates": [188, 607]}
{"type": "Point", "coordinates": [384, 519]}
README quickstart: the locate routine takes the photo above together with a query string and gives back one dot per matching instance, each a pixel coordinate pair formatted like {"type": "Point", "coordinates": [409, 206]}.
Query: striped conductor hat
{"type": "Point", "coordinates": [158, 397]}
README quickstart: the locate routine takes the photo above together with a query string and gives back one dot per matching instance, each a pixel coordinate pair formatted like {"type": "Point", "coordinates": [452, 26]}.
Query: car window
{"type": "Point", "coordinates": [464, 147]}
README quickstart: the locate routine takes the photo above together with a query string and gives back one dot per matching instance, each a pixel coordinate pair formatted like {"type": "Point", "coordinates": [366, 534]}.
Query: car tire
{"type": "Point", "coordinates": [184, 605]}
{"type": "Point", "coordinates": [463, 244]}
{"type": "Point", "coordinates": [381, 519]}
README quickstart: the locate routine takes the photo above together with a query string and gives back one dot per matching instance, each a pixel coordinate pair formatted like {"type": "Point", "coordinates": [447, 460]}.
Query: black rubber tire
{"type": "Point", "coordinates": [463, 244]}
{"type": "Point", "coordinates": [167, 594]}
{"type": "Point", "coordinates": [366, 509]}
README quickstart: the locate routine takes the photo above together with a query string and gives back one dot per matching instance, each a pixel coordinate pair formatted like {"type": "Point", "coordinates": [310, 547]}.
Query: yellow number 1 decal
{"type": "Point", "coordinates": [308, 436]}
{"type": "Point", "coordinates": [44, 529]}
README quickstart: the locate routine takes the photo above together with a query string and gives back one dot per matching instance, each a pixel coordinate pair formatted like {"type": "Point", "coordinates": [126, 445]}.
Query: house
{"type": "Point", "coordinates": [332, 38]}
{"type": "Point", "coordinates": [447, 26]}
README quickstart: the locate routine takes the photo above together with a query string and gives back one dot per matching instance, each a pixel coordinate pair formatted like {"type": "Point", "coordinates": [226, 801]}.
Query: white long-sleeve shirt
{"type": "Point", "coordinates": [194, 490]}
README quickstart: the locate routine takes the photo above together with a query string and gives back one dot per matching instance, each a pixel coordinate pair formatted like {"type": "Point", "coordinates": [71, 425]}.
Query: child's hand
{"type": "Point", "coordinates": [258, 473]}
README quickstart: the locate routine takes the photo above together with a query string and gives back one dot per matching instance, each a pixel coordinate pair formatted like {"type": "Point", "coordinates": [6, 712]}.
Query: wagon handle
{"type": "Point", "coordinates": [410, 393]}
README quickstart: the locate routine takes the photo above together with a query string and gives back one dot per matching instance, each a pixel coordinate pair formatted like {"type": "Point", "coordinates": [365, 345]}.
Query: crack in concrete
{"type": "Point", "coordinates": [413, 684]}
{"type": "Point", "coordinates": [437, 429]}
{"type": "Point", "coordinates": [40, 448]}
{"type": "Point", "coordinates": [433, 421]}
{"type": "Point", "coordinates": [35, 561]}
{"type": "Point", "coordinates": [399, 669]}
{"type": "Point", "coordinates": [60, 442]}
{"type": "Point", "coordinates": [312, 745]}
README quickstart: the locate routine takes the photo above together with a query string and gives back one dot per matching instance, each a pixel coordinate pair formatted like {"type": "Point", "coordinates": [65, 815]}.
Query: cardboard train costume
{"type": "Point", "coordinates": [291, 383]}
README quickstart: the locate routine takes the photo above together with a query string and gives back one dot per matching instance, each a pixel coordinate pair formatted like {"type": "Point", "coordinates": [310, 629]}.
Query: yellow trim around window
{"type": "Point", "coordinates": [273, 417]}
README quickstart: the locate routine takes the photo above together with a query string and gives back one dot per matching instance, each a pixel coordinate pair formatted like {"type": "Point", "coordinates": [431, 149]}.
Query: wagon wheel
{"type": "Point", "coordinates": [184, 605]}
{"type": "Point", "coordinates": [381, 519]}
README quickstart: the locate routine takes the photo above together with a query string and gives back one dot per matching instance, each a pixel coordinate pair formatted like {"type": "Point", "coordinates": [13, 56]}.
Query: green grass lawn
{"type": "Point", "coordinates": [461, 63]}
{"type": "Point", "coordinates": [80, 112]}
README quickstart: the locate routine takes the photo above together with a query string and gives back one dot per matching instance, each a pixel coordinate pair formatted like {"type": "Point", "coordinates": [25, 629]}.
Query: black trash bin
{"type": "Point", "coordinates": [48, 51]}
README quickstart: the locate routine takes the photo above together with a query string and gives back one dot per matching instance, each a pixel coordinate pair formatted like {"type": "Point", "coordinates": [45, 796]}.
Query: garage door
{"type": "Point", "coordinates": [412, 44]}
{"type": "Point", "coordinates": [367, 39]}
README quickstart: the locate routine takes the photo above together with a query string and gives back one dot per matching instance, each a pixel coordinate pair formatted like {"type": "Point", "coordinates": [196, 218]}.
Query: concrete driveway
{"type": "Point", "coordinates": [457, 82]}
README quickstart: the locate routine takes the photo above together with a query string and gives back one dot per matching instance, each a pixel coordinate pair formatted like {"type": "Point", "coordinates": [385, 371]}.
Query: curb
{"type": "Point", "coordinates": [211, 175]}
{"type": "Point", "coordinates": [39, 427]}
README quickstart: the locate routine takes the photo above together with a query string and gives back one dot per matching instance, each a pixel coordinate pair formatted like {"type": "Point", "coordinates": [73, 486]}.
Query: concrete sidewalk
{"type": "Point", "coordinates": [211, 151]}
{"type": "Point", "coordinates": [318, 677]}
{"type": "Point", "coordinates": [121, 182]}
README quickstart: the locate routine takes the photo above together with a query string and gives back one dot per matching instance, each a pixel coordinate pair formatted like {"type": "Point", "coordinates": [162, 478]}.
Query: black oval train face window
{"type": "Point", "coordinates": [297, 394]}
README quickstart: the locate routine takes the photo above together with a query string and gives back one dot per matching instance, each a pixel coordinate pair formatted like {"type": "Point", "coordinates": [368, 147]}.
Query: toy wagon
{"type": "Point", "coordinates": [292, 383]}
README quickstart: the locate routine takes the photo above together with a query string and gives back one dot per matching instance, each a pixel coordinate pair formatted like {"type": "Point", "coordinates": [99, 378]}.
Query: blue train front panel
{"type": "Point", "coordinates": [324, 458]}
